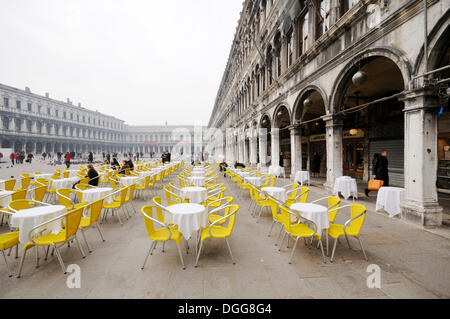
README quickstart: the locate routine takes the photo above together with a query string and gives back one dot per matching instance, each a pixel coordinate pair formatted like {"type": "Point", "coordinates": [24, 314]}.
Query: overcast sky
{"type": "Point", "coordinates": [143, 61]}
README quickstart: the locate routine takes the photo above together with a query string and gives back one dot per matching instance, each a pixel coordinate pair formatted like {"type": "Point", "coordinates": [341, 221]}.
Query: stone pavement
{"type": "Point", "coordinates": [414, 263]}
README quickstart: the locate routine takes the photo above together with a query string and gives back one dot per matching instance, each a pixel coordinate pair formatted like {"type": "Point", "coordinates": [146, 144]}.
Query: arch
{"type": "Point", "coordinates": [440, 36]}
{"type": "Point", "coordinates": [304, 93]}
{"type": "Point", "coordinates": [344, 76]}
{"type": "Point", "coordinates": [265, 115]}
{"type": "Point", "coordinates": [279, 108]}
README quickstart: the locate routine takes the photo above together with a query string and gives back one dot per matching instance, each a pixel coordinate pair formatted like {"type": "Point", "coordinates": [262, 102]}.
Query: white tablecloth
{"type": "Point", "coordinates": [129, 180]}
{"type": "Point", "coordinates": [255, 181]}
{"type": "Point", "coordinates": [302, 176]}
{"type": "Point", "coordinates": [316, 213]}
{"type": "Point", "coordinates": [5, 198]}
{"type": "Point", "coordinates": [64, 182]}
{"type": "Point", "coordinates": [389, 198]}
{"type": "Point", "coordinates": [94, 194]}
{"type": "Point", "coordinates": [197, 181]}
{"type": "Point", "coordinates": [198, 174]}
{"type": "Point", "coordinates": [189, 218]}
{"type": "Point", "coordinates": [346, 186]}
{"type": "Point", "coordinates": [278, 193]}
{"type": "Point", "coordinates": [277, 171]}
{"type": "Point", "coordinates": [195, 195]}
{"type": "Point", "coordinates": [45, 175]}
{"type": "Point", "coordinates": [26, 219]}
{"type": "Point", "coordinates": [2, 184]}
{"type": "Point", "coordinates": [72, 172]}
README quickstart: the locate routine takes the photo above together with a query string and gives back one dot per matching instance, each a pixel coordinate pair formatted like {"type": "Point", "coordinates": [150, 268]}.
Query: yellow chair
{"type": "Point", "coordinates": [224, 201]}
{"type": "Point", "coordinates": [65, 200]}
{"type": "Point", "coordinates": [114, 184]}
{"type": "Point", "coordinates": [86, 222]}
{"type": "Point", "coordinates": [332, 203]}
{"type": "Point", "coordinates": [19, 195]}
{"type": "Point", "coordinates": [215, 195]}
{"type": "Point", "coordinates": [291, 193]}
{"type": "Point", "coordinates": [299, 198]}
{"type": "Point", "coordinates": [39, 193]}
{"type": "Point", "coordinates": [24, 183]}
{"type": "Point", "coordinates": [262, 200]}
{"type": "Point", "coordinates": [66, 174]}
{"type": "Point", "coordinates": [72, 221]}
{"type": "Point", "coordinates": [298, 228]}
{"type": "Point", "coordinates": [40, 182]}
{"type": "Point", "coordinates": [141, 188]}
{"type": "Point", "coordinates": [16, 205]}
{"type": "Point", "coordinates": [162, 234]}
{"type": "Point", "coordinates": [128, 198]}
{"type": "Point", "coordinates": [116, 205]}
{"type": "Point", "coordinates": [159, 211]}
{"type": "Point", "coordinates": [173, 198]}
{"type": "Point", "coordinates": [84, 180]}
{"type": "Point", "coordinates": [7, 241]}
{"type": "Point", "coordinates": [219, 231]}
{"type": "Point", "coordinates": [9, 184]}
{"type": "Point", "coordinates": [351, 227]}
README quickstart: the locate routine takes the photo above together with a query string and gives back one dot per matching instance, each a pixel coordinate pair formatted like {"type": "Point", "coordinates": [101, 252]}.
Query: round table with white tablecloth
{"type": "Point", "coordinates": [302, 176]}
{"type": "Point", "coordinates": [26, 219]}
{"type": "Point", "coordinates": [278, 193]}
{"type": "Point", "coordinates": [197, 181]}
{"type": "Point", "coordinates": [94, 194]}
{"type": "Point", "coordinates": [255, 181]}
{"type": "Point", "coordinates": [195, 195]}
{"type": "Point", "coordinates": [277, 171]}
{"type": "Point", "coordinates": [390, 198]}
{"type": "Point", "coordinates": [346, 186]}
{"type": "Point", "coordinates": [72, 172]}
{"type": "Point", "coordinates": [5, 198]}
{"type": "Point", "coordinates": [315, 213]}
{"type": "Point", "coordinates": [44, 175]}
{"type": "Point", "coordinates": [64, 182]}
{"type": "Point", "coordinates": [2, 184]}
{"type": "Point", "coordinates": [128, 180]}
{"type": "Point", "coordinates": [189, 217]}
{"type": "Point", "coordinates": [198, 174]}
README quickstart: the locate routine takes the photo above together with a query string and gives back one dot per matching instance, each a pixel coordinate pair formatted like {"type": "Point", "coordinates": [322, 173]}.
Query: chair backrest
{"type": "Point", "coordinates": [20, 204]}
{"type": "Point", "coordinates": [73, 219]}
{"type": "Point", "coordinates": [132, 188]}
{"type": "Point", "coordinates": [294, 191]}
{"type": "Point", "coordinates": [9, 184]}
{"type": "Point", "coordinates": [358, 212]}
{"type": "Point", "coordinates": [39, 193]}
{"type": "Point", "coordinates": [272, 181]}
{"type": "Point", "coordinates": [25, 181]}
{"type": "Point", "coordinates": [150, 221]}
{"type": "Point", "coordinates": [96, 209]}
{"type": "Point", "coordinates": [42, 181]}
{"type": "Point", "coordinates": [159, 212]}
{"type": "Point", "coordinates": [304, 193]}
{"type": "Point", "coordinates": [81, 187]}
{"type": "Point", "coordinates": [333, 203]}
{"type": "Point", "coordinates": [66, 174]}
{"type": "Point", "coordinates": [171, 197]}
{"type": "Point", "coordinates": [230, 217]}
{"type": "Point", "coordinates": [113, 184]}
{"type": "Point", "coordinates": [84, 180]}
{"type": "Point", "coordinates": [123, 195]}
{"type": "Point", "coordinates": [22, 194]}
{"type": "Point", "coordinates": [64, 196]}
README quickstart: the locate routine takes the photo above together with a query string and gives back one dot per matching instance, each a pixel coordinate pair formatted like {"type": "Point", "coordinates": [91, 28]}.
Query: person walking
{"type": "Point", "coordinates": [281, 162]}
{"type": "Point", "coordinates": [29, 158]}
{"type": "Point", "coordinates": [375, 159]}
{"type": "Point", "coordinates": [382, 171]}
{"type": "Point", "coordinates": [12, 157]}
{"type": "Point", "coordinates": [90, 157]}
{"type": "Point", "coordinates": [67, 158]}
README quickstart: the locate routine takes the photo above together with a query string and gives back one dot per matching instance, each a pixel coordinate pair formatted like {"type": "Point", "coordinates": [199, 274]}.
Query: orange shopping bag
{"type": "Point", "coordinates": [375, 184]}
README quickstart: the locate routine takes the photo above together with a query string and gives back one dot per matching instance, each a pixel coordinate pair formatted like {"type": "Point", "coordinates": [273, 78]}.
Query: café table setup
{"type": "Point", "coordinates": [302, 177]}
{"type": "Point", "coordinates": [389, 199]}
{"type": "Point", "coordinates": [197, 181]}
{"type": "Point", "coordinates": [346, 186]}
{"type": "Point", "coordinates": [94, 194]}
{"type": "Point", "coordinates": [5, 197]}
{"type": "Point", "coordinates": [195, 194]}
{"type": "Point", "coordinates": [277, 171]}
{"type": "Point", "coordinates": [64, 182]}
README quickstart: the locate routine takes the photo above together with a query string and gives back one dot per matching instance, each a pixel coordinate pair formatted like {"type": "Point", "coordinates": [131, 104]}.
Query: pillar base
{"type": "Point", "coordinates": [428, 215]}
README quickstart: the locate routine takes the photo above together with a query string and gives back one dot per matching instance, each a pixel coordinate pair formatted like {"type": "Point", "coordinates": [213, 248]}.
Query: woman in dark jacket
{"type": "Point", "coordinates": [115, 164]}
{"type": "Point", "coordinates": [93, 175]}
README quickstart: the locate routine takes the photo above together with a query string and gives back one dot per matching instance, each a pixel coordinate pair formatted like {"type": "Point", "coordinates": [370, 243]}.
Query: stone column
{"type": "Point", "coordinates": [296, 150]}
{"type": "Point", "coordinates": [421, 159]}
{"type": "Point", "coordinates": [263, 147]}
{"type": "Point", "coordinates": [334, 149]}
{"type": "Point", "coordinates": [241, 139]}
{"type": "Point", "coordinates": [34, 127]}
{"type": "Point", "coordinates": [253, 150]}
{"type": "Point", "coordinates": [23, 125]}
{"type": "Point", "coordinates": [275, 155]}
{"type": "Point", "coordinates": [12, 124]}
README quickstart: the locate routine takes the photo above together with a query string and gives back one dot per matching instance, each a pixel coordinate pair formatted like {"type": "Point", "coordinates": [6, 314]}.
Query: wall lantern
{"type": "Point", "coordinates": [353, 131]}
{"type": "Point", "coordinates": [280, 114]}
{"type": "Point", "coordinates": [359, 78]}
{"type": "Point", "coordinates": [307, 102]}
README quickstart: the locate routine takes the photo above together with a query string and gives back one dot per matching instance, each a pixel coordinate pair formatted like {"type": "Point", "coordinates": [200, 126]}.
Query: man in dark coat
{"type": "Point", "coordinates": [382, 171]}
{"type": "Point", "coordinates": [90, 157]}
{"type": "Point", "coordinates": [281, 163]}
{"type": "Point", "coordinates": [376, 157]}
{"type": "Point", "coordinates": [315, 164]}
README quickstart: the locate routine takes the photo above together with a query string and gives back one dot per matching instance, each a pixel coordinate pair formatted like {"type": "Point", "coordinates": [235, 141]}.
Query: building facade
{"type": "Point", "coordinates": [37, 124]}
{"type": "Point", "coordinates": [330, 83]}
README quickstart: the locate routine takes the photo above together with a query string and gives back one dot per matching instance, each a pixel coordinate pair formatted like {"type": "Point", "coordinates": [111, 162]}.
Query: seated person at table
{"type": "Point", "coordinates": [93, 175]}
{"type": "Point", "coordinates": [105, 162]}
{"type": "Point", "coordinates": [130, 164]}
{"type": "Point", "coordinates": [223, 167]}
{"type": "Point", "coordinates": [239, 165]}
{"type": "Point", "coordinates": [125, 165]}
{"type": "Point", "coordinates": [115, 164]}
